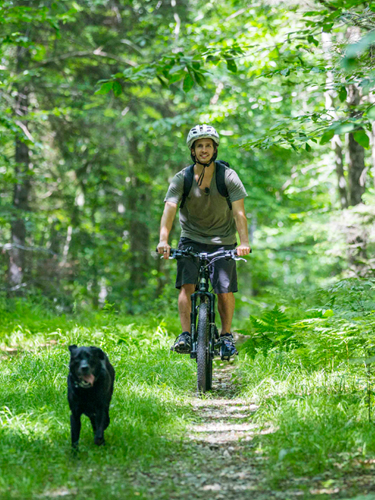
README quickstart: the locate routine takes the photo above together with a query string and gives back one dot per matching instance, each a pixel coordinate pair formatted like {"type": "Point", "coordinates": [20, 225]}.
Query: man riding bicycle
{"type": "Point", "coordinates": [209, 220]}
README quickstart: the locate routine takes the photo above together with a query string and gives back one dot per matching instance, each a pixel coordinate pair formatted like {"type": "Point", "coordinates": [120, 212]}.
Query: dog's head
{"type": "Point", "coordinates": [85, 364]}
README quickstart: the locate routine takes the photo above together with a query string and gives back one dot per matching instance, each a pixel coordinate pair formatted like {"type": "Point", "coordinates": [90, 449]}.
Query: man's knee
{"type": "Point", "coordinates": [187, 290]}
{"type": "Point", "coordinates": [223, 297]}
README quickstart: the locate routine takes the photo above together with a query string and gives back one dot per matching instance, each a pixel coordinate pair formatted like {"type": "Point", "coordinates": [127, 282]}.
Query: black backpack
{"type": "Point", "coordinates": [221, 167]}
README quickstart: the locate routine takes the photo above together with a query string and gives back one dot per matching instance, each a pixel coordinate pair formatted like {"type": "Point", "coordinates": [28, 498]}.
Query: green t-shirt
{"type": "Point", "coordinates": [206, 217]}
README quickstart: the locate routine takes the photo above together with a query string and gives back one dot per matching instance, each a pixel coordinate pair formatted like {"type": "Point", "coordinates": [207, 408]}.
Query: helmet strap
{"type": "Point", "coordinates": [200, 180]}
{"type": "Point", "coordinates": [204, 165]}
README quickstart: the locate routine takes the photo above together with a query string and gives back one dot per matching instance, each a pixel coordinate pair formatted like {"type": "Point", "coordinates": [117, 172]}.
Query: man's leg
{"type": "Point", "coordinates": [184, 306]}
{"type": "Point", "coordinates": [225, 305]}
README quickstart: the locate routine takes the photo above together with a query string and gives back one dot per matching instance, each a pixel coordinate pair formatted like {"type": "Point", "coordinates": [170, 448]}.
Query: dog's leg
{"type": "Point", "coordinates": [107, 420]}
{"type": "Point", "coordinates": [93, 423]}
{"type": "Point", "coordinates": [75, 428]}
{"type": "Point", "coordinates": [100, 421]}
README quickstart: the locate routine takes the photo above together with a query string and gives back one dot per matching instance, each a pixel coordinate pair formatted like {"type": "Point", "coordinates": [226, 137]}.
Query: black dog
{"type": "Point", "coordinates": [90, 388]}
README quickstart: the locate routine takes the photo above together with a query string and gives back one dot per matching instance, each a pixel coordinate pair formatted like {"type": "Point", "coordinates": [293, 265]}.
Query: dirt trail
{"type": "Point", "coordinates": [225, 431]}
{"type": "Point", "coordinates": [218, 458]}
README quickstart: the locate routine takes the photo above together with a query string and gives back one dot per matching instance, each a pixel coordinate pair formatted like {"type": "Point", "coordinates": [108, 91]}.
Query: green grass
{"type": "Point", "coordinates": [296, 365]}
{"type": "Point", "coordinates": [318, 413]}
{"type": "Point", "coordinates": [304, 365]}
{"type": "Point", "coordinates": [319, 420]}
{"type": "Point", "coordinates": [148, 410]}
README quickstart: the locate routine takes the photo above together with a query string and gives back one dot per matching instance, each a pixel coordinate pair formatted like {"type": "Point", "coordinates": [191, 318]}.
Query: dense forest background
{"type": "Point", "coordinates": [96, 100]}
{"type": "Point", "coordinates": [97, 97]}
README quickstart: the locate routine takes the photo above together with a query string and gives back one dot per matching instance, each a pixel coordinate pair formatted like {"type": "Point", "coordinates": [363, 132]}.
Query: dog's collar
{"type": "Point", "coordinates": [82, 384]}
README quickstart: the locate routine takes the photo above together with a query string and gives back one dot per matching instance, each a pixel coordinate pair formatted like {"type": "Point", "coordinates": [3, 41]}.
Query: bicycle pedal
{"type": "Point", "coordinates": [180, 350]}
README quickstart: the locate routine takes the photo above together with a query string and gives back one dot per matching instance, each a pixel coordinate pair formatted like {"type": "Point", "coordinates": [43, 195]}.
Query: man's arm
{"type": "Point", "coordinates": [166, 224]}
{"type": "Point", "coordinates": [239, 215]}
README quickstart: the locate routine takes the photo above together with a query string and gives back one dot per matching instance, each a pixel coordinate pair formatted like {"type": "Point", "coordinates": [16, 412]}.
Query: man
{"type": "Point", "coordinates": [208, 224]}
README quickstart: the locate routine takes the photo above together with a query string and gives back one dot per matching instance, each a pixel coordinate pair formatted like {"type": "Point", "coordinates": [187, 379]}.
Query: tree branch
{"type": "Point", "coordinates": [84, 53]}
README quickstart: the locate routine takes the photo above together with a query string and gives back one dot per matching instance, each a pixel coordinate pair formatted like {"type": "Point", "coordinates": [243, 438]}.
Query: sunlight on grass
{"type": "Point", "coordinates": [320, 415]}
{"type": "Point", "coordinates": [148, 409]}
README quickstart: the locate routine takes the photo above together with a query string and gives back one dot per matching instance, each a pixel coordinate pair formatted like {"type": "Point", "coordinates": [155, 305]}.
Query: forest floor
{"type": "Point", "coordinates": [219, 459]}
{"type": "Point", "coordinates": [267, 430]}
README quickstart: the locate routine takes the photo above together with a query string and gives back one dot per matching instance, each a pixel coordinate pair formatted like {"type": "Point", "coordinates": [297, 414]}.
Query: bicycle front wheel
{"type": "Point", "coordinates": [203, 354]}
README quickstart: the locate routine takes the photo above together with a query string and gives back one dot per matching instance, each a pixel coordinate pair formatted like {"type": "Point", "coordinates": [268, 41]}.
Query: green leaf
{"type": "Point", "coordinates": [231, 65]}
{"type": "Point", "coordinates": [327, 27]}
{"type": "Point", "coordinates": [371, 113]}
{"type": "Point", "coordinates": [362, 138]}
{"type": "Point", "coordinates": [199, 78]}
{"type": "Point", "coordinates": [188, 83]}
{"type": "Point", "coordinates": [313, 40]}
{"type": "Point", "coordinates": [285, 72]}
{"type": "Point", "coordinates": [162, 81]}
{"type": "Point", "coordinates": [213, 59]}
{"type": "Point", "coordinates": [308, 147]}
{"type": "Point", "coordinates": [327, 136]}
{"type": "Point", "coordinates": [117, 89]}
{"type": "Point", "coordinates": [176, 77]}
{"type": "Point", "coordinates": [343, 94]}
{"type": "Point", "coordinates": [105, 88]}
{"type": "Point", "coordinates": [356, 49]}
{"type": "Point", "coordinates": [344, 128]}
{"type": "Point", "coordinates": [176, 69]}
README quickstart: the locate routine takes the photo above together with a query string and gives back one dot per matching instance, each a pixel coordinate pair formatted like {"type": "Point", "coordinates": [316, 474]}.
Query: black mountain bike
{"type": "Point", "coordinates": [204, 333]}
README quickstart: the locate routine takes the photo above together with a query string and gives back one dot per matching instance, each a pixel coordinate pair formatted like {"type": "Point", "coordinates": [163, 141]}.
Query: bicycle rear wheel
{"type": "Point", "coordinates": [204, 373]}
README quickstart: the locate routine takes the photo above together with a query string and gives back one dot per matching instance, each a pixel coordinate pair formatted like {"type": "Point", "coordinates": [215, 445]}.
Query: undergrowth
{"type": "Point", "coordinates": [308, 362]}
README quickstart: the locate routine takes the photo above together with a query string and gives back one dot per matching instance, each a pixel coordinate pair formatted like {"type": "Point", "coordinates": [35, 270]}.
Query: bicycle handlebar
{"type": "Point", "coordinates": [227, 254]}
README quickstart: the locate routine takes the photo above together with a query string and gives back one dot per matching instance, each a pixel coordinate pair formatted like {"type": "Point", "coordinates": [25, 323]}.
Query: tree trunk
{"type": "Point", "coordinates": [139, 235]}
{"type": "Point", "coordinates": [356, 154]}
{"type": "Point", "coordinates": [17, 257]}
{"type": "Point", "coordinates": [336, 141]}
{"type": "Point", "coordinates": [357, 239]}
{"type": "Point", "coordinates": [339, 163]}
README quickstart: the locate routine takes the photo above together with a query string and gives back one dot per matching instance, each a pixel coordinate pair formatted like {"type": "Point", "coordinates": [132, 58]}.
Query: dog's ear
{"type": "Point", "coordinates": [72, 348]}
{"type": "Point", "coordinates": [97, 351]}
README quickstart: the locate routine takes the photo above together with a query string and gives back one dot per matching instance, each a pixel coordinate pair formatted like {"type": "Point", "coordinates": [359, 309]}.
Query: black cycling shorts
{"type": "Point", "coordinates": [223, 273]}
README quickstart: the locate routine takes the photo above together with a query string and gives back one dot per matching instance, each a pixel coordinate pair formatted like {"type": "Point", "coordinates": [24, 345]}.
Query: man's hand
{"type": "Point", "coordinates": [164, 249]}
{"type": "Point", "coordinates": [243, 249]}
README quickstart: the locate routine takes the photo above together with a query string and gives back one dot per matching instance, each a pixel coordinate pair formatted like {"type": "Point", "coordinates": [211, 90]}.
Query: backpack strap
{"type": "Point", "coordinates": [221, 167]}
{"type": "Point", "coordinates": [188, 182]}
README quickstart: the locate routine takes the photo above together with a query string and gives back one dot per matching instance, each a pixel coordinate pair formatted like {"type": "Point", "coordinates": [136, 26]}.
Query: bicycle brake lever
{"type": "Point", "coordinates": [240, 258]}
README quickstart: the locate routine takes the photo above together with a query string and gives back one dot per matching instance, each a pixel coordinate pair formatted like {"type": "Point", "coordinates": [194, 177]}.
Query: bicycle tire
{"type": "Point", "coordinates": [203, 354]}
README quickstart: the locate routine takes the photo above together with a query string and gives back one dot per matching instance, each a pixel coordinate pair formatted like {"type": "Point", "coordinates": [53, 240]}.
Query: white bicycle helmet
{"type": "Point", "coordinates": [202, 132]}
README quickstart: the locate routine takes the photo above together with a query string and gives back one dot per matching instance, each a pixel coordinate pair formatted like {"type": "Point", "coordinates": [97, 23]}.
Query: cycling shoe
{"type": "Point", "coordinates": [182, 343]}
{"type": "Point", "coordinates": [227, 347]}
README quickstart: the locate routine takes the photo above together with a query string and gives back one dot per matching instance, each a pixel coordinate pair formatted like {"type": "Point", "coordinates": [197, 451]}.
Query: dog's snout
{"type": "Point", "coordinates": [84, 367]}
